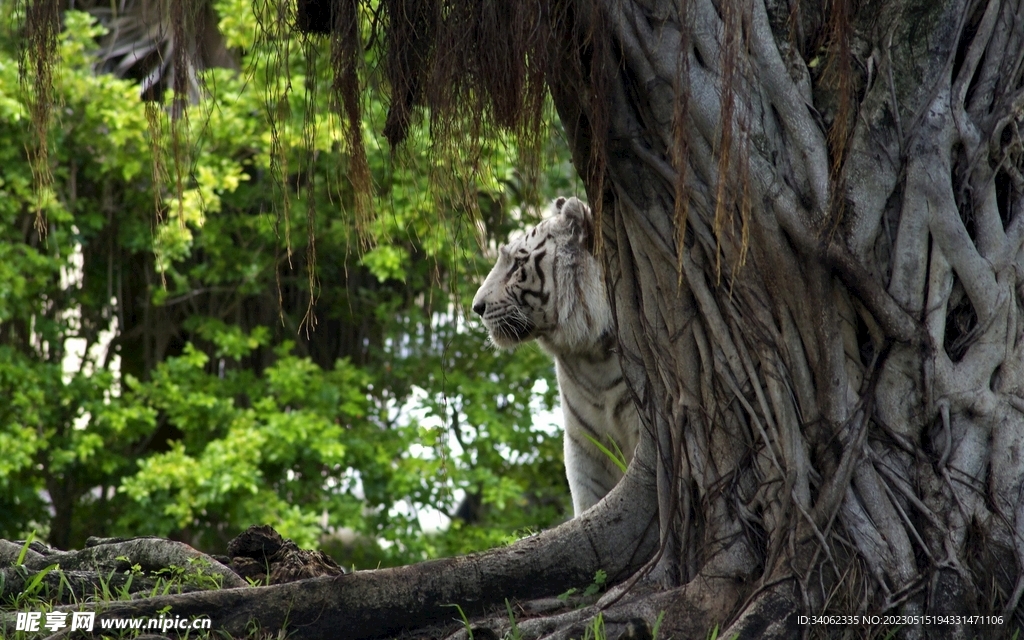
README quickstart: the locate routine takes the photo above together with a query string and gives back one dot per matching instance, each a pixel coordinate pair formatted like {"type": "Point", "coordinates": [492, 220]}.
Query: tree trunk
{"type": "Point", "coordinates": [828, 351]}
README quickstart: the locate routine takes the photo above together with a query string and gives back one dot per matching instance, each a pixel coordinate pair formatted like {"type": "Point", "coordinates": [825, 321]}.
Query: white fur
{"type": "Point", "coordinates": [574, 325]}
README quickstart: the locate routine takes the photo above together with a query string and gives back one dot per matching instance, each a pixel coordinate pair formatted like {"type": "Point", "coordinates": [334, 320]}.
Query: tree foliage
{"type": "Point", "coordinates": [181, 361]}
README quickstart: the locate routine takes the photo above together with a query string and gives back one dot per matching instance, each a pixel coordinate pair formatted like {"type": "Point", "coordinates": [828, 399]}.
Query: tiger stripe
{"type": "Point", "coordinates": [548, 286]}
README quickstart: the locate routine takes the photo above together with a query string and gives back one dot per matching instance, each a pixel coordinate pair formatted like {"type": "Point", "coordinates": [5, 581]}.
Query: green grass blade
{"type": "Point", "coordinates": [516, 635]}
{"type": "Point", "coordinates": [619, 460]}
{"type": "Point", "coordinates": [657, 625]}
{"type": "Point", "coordinates": [465, 620]}
{"type": "Point", "coordinates": [24, 549]}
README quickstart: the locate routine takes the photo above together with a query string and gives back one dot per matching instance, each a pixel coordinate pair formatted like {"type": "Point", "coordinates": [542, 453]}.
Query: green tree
{"type": "Point", "coordinates": [180, 365]}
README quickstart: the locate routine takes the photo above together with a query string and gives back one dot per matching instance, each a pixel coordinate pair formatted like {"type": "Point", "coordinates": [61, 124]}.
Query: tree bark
{"type": "Point", "coordinates": [816, 279]}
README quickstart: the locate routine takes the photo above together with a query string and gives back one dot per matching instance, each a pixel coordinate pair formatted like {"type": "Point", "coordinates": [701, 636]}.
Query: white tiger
{"type": "Point", "coordinates": [548, 285]}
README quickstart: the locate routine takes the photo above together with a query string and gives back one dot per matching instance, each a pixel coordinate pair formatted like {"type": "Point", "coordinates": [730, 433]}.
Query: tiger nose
{"type": "Point", "coordinates": [479, 308]}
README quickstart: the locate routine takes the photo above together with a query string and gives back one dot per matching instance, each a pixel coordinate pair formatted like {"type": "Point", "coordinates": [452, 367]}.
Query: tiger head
{"type": "Point", "coordinates": [547, 285]}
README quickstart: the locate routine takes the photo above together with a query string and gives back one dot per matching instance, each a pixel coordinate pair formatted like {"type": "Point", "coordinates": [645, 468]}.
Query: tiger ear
{"type": "Point", "coordinates": [581, 219]}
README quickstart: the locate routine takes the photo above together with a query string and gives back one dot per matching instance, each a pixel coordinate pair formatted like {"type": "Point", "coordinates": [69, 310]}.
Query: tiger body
{"type": "Point", "coordinates": [548, 285]}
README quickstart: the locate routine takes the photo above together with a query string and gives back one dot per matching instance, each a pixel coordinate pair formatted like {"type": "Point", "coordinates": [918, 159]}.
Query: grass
{"type": "Point", "coordinates": [616, 456]}
{"type": "Point", "coordinates": [38, 597]}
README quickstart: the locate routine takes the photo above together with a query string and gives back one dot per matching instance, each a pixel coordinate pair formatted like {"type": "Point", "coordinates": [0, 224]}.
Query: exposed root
{"type": "Point", "coordinates": [117, 555]}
